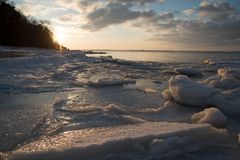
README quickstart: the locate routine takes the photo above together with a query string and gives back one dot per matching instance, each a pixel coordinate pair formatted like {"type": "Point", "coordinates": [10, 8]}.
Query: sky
{"type": "Point", "coordinates": [141, 24]}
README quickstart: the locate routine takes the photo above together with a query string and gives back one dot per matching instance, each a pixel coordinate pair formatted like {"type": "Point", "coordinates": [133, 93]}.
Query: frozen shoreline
{"type": "Point", "coordinates": [49, 94]}
{"type": "Point", "coordinates": [143, 141]}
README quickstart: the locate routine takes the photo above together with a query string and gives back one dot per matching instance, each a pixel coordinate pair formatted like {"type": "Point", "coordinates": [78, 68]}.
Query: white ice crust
{"type": "Point", "coordinates": [188, 71]}
{"type": "Point", "coordinates": [220, 91]}
{"type": "Point", "coordinates": [210, 115]}
{"type": "Point", "coordinates": [187, 92]}
{"type": "Point", "coordinates": [110, 82]}
{"type": "Point", "coordinates": [149, 140]}
{"type": "Point", "coordinates": [229, 72]}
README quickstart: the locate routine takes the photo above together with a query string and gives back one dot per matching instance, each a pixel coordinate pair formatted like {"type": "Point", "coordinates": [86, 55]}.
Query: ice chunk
{"type": "Point", "coordinates": [226, 61]}
{"type": "Point", "coordinates": [210, 79]}
{"type": "Point", "coordinates": [232, 93]}
{"type": "Point", "coordinates": [188, 71]}
{"type": "Point", "coordinates": [225, 83]}
{"type": "Point", "coordinates": [227, 104]}
{"type": "Point", "coordinates": [110, 82]}
{"type": "Point", "coordinates": [63, 75]}
{"type": "Point", "coordinates": [131, 119]}
{"type": "Point", "coordinates": [209, 61]}
{"type": "Point", "coordinates": [167, 145]}
{"type": "Point", "coordinates": [145, 140]}
{"type": "Point", "coordinates": [185, 91]}
{"type": "Point", "coordinates": [170, 112]}
{"type": "Point", "coordinates": [114, 109]}
{"type": "Point", "coordinates": [229, 72]}
{"type": "Point", "coordinates": [227, 78]}
{"type": "Point", "coordinates": [167, 95]}
{"type": "Point", "coordinates": [212, 116]}
{"type": "Point", "coordinates": [158, 145]}
{"type": "Point", "coordinates": [150, 90]}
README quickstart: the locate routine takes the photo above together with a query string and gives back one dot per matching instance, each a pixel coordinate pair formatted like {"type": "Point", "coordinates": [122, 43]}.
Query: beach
{"type": "Point", "coordinates": [68, 103]}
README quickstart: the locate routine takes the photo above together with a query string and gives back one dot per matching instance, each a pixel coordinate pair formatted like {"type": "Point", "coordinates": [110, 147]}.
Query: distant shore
{"type": "Point", "coordinates": [104, 50]}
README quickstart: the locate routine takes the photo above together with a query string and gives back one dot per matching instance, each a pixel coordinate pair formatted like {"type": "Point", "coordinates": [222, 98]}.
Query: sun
{"type": "Point", "coordinates": [59, 37]}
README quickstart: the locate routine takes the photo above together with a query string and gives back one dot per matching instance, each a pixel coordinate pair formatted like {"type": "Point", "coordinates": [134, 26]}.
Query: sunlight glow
{"type": "Point", "coordinates": [59, 37]}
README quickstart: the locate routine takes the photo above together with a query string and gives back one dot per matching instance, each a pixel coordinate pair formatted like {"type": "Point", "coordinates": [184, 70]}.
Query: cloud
{"type": "Point", "coordinates": [188, 12]}
{"type": "Point", "coordinates": [219, 26]}
{"type": "Point", "coordinates": [141, 2]}
{"type": "Point", "coordinates": [113, 13]}
{"type": "Point", "coordinates": [93, 4]}
{"type": "Point", "coordinates": [80, 5]}
{"type": "Point", "coordinates": [34, 10]}
{"type": "Point", "coordinates": [202, 34]}
{"type": "Point", "coordinates": [211, 23]}
{"type": "Point", "coordinates": [67, 18]}
{"type": "Point", "coordinates": [216, 11]}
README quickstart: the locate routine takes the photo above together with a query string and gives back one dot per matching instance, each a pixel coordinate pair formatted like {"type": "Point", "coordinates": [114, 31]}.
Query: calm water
{"type": "Point", "coordinates": [170, 56]}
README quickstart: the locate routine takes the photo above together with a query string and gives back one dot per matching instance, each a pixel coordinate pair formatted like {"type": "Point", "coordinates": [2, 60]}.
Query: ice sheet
{"type": "Point", "coordinates": [146, 140]}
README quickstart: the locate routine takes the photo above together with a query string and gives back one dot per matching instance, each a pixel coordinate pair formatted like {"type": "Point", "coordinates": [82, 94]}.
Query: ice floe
{"type": "Point", "coordinates": [209, 61]}
{"type": "Point", "coordinates": [147, 90]}
{"type": "Point", "coordinates": [167, 95]}
{"type": "Point", "coordinates": [170, 112]}
{"type": "Point", "coordinates": [191, 72]}
{"type": "Point", "coordinates": [143, 141]}
{"type": "Point", "coordinates": [223, 83]}
{"type": "Point", "coordinates": [102, 114]}
{"type": "Point", "coordinates": [210, 115]}
{"type": "Point", "coordinates": [187, 92]}
{"type": "Point", "coordinates": [110, 82]}
{"type": "Point", "coordinates": [226, 61]}
{"type": "Point", "coordinates": [131, 119]}
{"type": "Point", "coordinates": [229, 72]}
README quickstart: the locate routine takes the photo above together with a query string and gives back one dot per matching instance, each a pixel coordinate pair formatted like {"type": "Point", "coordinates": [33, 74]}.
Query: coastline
{"type": "Point", "coordinates": [52, 95]}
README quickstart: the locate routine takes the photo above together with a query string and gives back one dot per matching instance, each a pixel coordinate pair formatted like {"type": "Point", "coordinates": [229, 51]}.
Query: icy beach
{"type": "Point", "coordinates": [72, 105]}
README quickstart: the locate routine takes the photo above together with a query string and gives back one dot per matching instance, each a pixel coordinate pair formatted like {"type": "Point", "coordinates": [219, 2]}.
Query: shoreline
{"type": "Point", "coordinates": [52, 95]}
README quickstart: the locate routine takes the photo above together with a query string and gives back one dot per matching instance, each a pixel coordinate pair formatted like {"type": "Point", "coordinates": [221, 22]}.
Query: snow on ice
{"type": "Point", "coordinates": [145, 140]}
{"type": "Point", "coordinates": [207, 93]}
{"type": "Point", "coordinates": [210, 115]}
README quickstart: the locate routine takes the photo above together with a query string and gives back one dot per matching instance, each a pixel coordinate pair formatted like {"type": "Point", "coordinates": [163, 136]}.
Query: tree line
{"type": "Point", "coordinates": [18, 30]}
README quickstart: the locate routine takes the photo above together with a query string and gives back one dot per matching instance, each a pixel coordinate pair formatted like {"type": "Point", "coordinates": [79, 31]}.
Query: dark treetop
{"type": "Point", "coordinates": [18, 30]}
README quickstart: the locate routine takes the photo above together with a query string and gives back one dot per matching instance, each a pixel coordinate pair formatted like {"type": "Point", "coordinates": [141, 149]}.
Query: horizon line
{"type": "Point", "coordinates": [150, 50]}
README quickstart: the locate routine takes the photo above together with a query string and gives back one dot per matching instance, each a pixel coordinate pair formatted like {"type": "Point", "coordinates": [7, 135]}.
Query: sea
{"type": "Point", "coordinates": [169, 56]}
